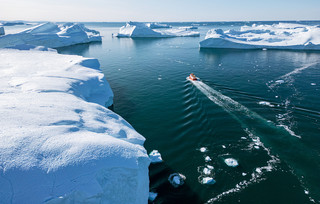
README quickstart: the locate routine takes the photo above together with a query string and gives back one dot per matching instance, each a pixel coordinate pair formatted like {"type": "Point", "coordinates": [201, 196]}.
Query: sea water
{"type": "Point", "coordinates": [259, 107]}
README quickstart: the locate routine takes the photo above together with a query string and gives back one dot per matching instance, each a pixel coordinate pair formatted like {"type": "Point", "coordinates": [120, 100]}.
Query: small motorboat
{"type": "Point", "coordinates": [192, 77]}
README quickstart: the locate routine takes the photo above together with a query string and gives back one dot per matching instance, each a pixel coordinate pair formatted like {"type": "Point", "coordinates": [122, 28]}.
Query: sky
{"type": "Point", "coordinates": [159, 10]}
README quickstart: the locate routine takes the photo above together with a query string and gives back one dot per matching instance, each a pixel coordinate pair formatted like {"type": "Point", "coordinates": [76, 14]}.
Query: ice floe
{"type": "Point", "coordinates": [203, 149]}
{"type": "Point", "coordinates": [155, 156]}
{"type": "Point", "coordinates": [2, 30]}
{"type": "Point", "coordinates": [51, 35]}
{"type": "Point", "coordinates": [206, 171]}
{"type": "Point", "coordinates": [265, 103]}
{"type": "Point", "coordinates": [176, 179]}
{"type": "Point", "coordinates": [231, 162]}
{"type": "Point", "coordinates": [59, 143]}
{"type": "Point", "coordinates": [275, 36]}
{"type": "Point", "coordinates": [207, 159]}
{"type": "Point", "coordinates": [208, 180]}
{"type": "Point", "coordinates": [142, 30]}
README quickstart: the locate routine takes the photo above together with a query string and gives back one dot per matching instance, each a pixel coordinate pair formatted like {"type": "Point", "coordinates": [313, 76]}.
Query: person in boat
{"type": "Point", "coordinates": [193, 77]}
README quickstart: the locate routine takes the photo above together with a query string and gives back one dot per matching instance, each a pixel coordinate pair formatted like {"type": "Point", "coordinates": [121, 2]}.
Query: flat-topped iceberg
{"type": "Point", "coordinates": [52, 35]}
{"type": "Point", "coordinates": [11, 23]}
{"type": "Point", "coordinates": [141, 30]}
{"type": "Point", "coordinates": [157, 25]}
{"type": "Point", "coordinates": [276, 36]}
{"type": "Point", "coordinates": [59, 144]}
{"type": "Point", "coordinates": [2, 30]}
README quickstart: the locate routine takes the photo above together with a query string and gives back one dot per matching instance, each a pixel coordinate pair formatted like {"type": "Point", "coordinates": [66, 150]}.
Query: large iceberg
{"type": "Point", "coordinates": [59, 144]}
{"type": "Point", "coordinates": [276, 36]}
{"type": "Point", "coordinates": [141, 30]}
{"type": "Point", "coordinates": [2, 30]}
{"type": "Point", "coordinates": [52, 35]}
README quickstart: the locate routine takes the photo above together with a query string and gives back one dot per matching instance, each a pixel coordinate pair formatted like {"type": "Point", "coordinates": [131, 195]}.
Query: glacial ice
{"type": "Point", "coordinates": [276, 36]}
{"type": "Point", "coordinates": [155, 156]}
{"type": "Point", "coordinates": [152, 196]}
{"type": "Point", "coordinates": [176, 179]}
{"type": "Point", "coordinates": [51, 35]}
{"type": "Point", "coordinates": [59, 144]}
{"type": "Point", "coordinates": [157, 25]}
{"type": "Point", "coordinates": [141, 30]}
{"type": "Point", "coordinates": [207, 159]}
{"type": "Point", "coordinates": [231, 162]}
{"type": "Point", "coordinates": [208, 180]}
{"type": "Point", "coordinates": [2, 30]}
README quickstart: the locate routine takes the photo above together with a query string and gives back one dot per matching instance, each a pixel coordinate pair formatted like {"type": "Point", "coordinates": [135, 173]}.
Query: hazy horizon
{"type": "Point", "coordinates": [160, 11]}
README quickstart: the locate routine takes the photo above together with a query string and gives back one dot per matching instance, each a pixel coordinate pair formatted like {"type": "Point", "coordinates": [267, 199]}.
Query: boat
{"type": "Point", "coordinates": [192, 77]}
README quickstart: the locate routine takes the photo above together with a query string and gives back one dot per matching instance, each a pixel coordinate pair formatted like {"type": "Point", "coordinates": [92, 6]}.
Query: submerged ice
{"type": "Point", "coordinates": [276, 36]}
{"type": "Point", "coordinates": [51, 35]}
{"type": "Point", "coordinates": [142, 30]}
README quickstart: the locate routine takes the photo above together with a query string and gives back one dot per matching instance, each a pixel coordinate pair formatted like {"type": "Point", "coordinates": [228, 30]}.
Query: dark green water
{"type": "Point", "coordinates": [148, 77]}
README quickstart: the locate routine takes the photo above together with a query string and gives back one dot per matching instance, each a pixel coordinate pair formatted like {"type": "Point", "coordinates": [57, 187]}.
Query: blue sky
{"type": "Point", "coordinates": [159, 10]}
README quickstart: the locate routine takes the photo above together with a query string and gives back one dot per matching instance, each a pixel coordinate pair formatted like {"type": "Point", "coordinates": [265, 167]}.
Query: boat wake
{"type": "Point", "coordinates": [303, 161]}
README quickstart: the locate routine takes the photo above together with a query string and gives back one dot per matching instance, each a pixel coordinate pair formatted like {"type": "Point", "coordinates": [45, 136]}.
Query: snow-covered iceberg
{"type": "Point", "coordinates": [157, 25]}
{"type": "Point", "coordinates": [52, 35]}
{"type": "Point", "coordinates": [141, 30]}
{"type": "Point", "coordinates": [59, 144]}
{"type": "Point", "coordinates": [276, 36]}
{"type": "Point", "coordinates": [2, 30]}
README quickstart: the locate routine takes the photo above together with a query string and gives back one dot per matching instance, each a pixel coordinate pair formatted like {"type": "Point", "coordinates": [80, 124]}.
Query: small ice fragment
{"type": "Point", "coordinates": [264, 49]}
{"type": "Point", "coordinates": [223, 146]}
{"type": "Point", "coordinates": [265, 103]}
{"type": "Point", "coordinates": [207, 159]}
{"type": "Point", "coordinates": [313, 84]}
{"type": "Point", "coordinates": [256, 147]}
{"type": "Point", "coordinates": [208, 180]}
{"type": "Point", "coordinates": [152, 196]}
{"type": "Point", "coordinates": [159, 78]}
{"type": "Point", "coordinates": [244, 174]}
{"type": "Point", "coordinates": [210, 167]}
{"type": "Point", "coordinates": [155, 156]}
{"type": "Point", "coordinates": [206, 171]}
{"type": "Point", "coordinates": [277, 96]}
{"type": "Point", "coordinates": [306, 192]}
{"type": "Point", "coordinates": [231, 162]}
{"type": "Point", "coordinates": [258, 170]}
{"type": "Point", "coordinates": [176, 179]}
{"type": "Point", "coordinates": [280, 81]}
{"type": "Point", "coordinates": [244, 138]}
{"type": "Point", "coordinates": [203, 149]}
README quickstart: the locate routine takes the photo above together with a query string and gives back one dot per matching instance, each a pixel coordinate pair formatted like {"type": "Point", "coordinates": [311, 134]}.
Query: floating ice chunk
{"type": "Point", "coordinates": [203, 149]}
{"type": "Point", "coordinates": [306, 192]}
{"type": "Point", "coordinates": [265, 103]}
{"type": "Point", "coordinates": [155, 156]}
{"type": "Point", "coordinates": [231, 162]}
{"type": "Point", "coordinates": [208, 180]}
{"type": "Point", "coordinates": [141, 30]}
{"type": "Point", "coordinates": [276, 36]}
{"type": "Point", "coordinates": [206, 171]}
{"type": "Point", "coordinates": [152, 196]}
{"type": "Point", "coordinates": [176, 179]}
{"type": "Point", "coordinates": [2, 30]}
{"type": "Point", "coordinates": [243, 138]}
{"type": "Point", "coordinates": [207, 159]}
{"type": "Point", "coordinates": [52, 35]}
{"type": "Point", "coordinates": [223, 146]}
{"type": "Point", "coordinates": [264, 49]}
{"type": "Point", "coordinates": [210, 167]}
{"type": "Point", "coordinates": [280, 81]}
{"type": "Point", "coordinates": [244, 174]}
{"type": "Point", "coordinates": [256, 147]}
{"type": "Point", "coordinates": [313, 84]}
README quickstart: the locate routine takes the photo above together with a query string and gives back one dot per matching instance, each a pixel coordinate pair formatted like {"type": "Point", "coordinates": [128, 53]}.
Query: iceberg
{"type": "Point", "coordinates": [52, 35]}
{"type": "Point", "coordinates": [176, 179]}
{"type": "Point", "coordinates": [157, 25]}
{"type": "Point", "coordinates": [276, 36]}
{"type": "Point", "coordinates": [155, 156]}
{"type": "Point", "coordinates": [231, 162]}
{"type": "Point", "coordinates": [141, 30]}
{"type": "Point", "coordinates": [2, 30]}
{"type": "Point", "coordinates": [208, 180]}
{"type": "Point", "coordinates": [59, 143]}
{"type": "Point", "coordinates": [11, 23]}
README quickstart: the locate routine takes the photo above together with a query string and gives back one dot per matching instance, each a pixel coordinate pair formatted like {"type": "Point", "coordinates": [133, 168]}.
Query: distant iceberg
{"type": "Point", "coordinates": [52, 35]}
{"type": "Point", "coordinates": [141, 30]}
{"type": "Point", "coordinates": [276, 36]}
{"type": "Point", "coordinates": [157, 25]}
{"type": "Point", "coordinates": [59, 144]}
{"type": "Point", "coordinates": [11, 23]}
{"type": "Point", "coordinates": [2, 30]}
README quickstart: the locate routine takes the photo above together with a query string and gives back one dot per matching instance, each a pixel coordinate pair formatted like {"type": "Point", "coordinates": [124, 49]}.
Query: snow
{"type": "Point", "coordinates": [141, 30]}
{"type": "Point", "coordinates": [51, 35]}
{"type": "Point", "coordinates": [208, 180]}
{"type": "Point", "coordinates": [276, 36]}
{"type": "Point", "coordinates": [59, 144]}
{"type": "Point", "coordinates": [155, 156]}
{"type": "Point", "coordinates": [2, 30]}
{"type": "Point", "coordinates": [231, 162]}
{"type": "Point", "coordinates": [157, 25]}
{"type": "Point", "coordinates": [176, 179]}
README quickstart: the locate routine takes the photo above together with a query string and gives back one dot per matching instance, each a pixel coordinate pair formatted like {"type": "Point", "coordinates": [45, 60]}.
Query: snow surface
{"type": "Point", "coordinates": [2, 30]}
{"type": "Point", "coordinates": [59, 144]}
{"type": "Point", "coordinates": [51, 35]}
{"type": "Point", "coordinates": [141, 30]}
{"type": "Point", "coordinates": [276, 36]}
{"type": "Point", "coordinates": [157, 25]}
